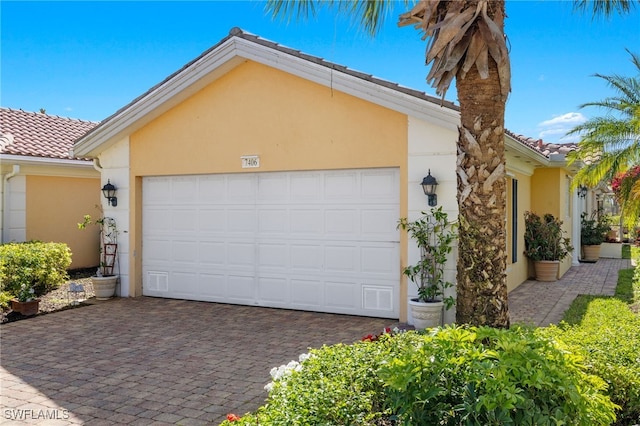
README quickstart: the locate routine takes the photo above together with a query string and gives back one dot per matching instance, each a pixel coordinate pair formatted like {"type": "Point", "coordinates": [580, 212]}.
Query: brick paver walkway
{"type": "Point", "coordinates": [544, 303]}
{"type": "Point", "coordinates": [155, 361]}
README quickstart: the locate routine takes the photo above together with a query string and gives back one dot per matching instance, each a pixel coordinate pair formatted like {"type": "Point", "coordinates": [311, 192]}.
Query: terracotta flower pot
{"type": "Point", "coordinates": [591, 253]}
{"type": "Point", "coordinates": [547, 270]}
{"type": "Point", "coordinates": [26, 308]}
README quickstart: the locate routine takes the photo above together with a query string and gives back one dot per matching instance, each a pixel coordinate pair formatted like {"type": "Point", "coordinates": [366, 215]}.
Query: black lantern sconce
{"type": "Point", "coordinates": [109, 192]}
{"type": "Point", "coordinates": [582, 191]}
{"type": "Point", "coordinates": [429, 184]}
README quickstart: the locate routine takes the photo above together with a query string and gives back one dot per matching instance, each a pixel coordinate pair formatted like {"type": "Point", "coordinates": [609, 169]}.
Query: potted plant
{"type": "Point", "coordinates": [26, 302]}
{"type": "Point", "coordinates": [105, 280]}
{"type": "Point", "coordinates": [593, 232]}
{"type": "Point", "coordinates": [434, 235]}
{"type": "Point", "coordinates": [545, 244]}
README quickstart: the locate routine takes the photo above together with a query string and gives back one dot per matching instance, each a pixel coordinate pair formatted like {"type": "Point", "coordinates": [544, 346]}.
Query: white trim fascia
{"type": "Point", "coordinates": [349, 84]}
{"type": "Point", "coordinates": [234, 52]}
{"type": "Point", "coordinates": [521, 148]}
{"type": "Point", "coordinates": [44, 161]}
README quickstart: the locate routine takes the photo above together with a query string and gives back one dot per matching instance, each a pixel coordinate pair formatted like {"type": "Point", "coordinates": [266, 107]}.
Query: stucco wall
{"type": "Point", "coordinates": [518, 271]}
{"type": "Point", "coordinates": [55, 205]}
{"type": "Point", "coordinates": [291, 123]}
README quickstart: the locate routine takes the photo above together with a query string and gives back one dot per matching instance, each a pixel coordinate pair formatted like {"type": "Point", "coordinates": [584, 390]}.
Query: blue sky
{"type": "Point", "coordinates": [88, 59]}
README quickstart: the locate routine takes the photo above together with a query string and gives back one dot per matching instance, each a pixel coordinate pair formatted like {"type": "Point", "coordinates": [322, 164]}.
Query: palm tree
{"type": "Point", "coordinates": [466, 42]}
{"type": "Point", "coordinates": [610, 145]}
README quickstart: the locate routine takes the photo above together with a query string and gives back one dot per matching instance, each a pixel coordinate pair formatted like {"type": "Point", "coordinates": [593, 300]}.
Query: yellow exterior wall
{"type": "Point", "coordinates": [518, 272]}
{"type": "Point", "coordinates": [290, 122]}
{"type": "Point", "coordinates": [55, 205]}
{"type": "Point", "coordinates": [549, 195]}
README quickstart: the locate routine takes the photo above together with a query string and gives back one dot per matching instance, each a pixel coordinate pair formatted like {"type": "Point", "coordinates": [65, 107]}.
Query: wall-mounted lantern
{"type": "Point", "coordinates": [429, 184]}
{"type": "Point", "coordinates": [582, 191]}
{"type": "Point", "coordinates": [109, 192]}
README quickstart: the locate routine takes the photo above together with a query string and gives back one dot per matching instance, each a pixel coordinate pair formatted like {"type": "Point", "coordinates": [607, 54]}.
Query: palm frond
{"type": "Point", "coordinates": [604, 8]}
{"type": "Point", "coordinates": [461, 35]}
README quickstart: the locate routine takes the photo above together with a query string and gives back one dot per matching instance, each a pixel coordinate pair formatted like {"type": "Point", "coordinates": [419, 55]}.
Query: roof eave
{"type": "Point", "coordinates": [228, 54]}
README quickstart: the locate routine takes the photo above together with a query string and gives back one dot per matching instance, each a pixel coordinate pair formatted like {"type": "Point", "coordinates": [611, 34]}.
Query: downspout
{"type": "Point", "coordinates": [96, 165]}
{"type": "Point", "coordinates": [5, 199]}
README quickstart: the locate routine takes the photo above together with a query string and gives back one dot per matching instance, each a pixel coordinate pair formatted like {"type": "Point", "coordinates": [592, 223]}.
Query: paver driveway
{"type": "Point", "coordinates": [155, 361]}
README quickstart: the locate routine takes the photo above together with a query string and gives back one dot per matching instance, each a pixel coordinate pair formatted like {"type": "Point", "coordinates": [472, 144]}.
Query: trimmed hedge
{"type": "Point", "coordinates": [451, 376]}
{"type": "Point", "coordinates": [41, 265]}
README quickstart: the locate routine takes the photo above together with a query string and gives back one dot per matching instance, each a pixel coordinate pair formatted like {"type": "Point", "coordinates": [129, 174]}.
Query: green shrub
{"type": "Point", "coordinates": [452, 376]}
{"type": "Point", "coordinates": [608, 339]}
{"type": "Point", "coordinates": [486, 376]}
{"type": "Point", "coordinates": [5, 298]}
{"type": "Point", "coordinates": [335, 385]}
{"type": "Point", "coordinates": [40, 265]}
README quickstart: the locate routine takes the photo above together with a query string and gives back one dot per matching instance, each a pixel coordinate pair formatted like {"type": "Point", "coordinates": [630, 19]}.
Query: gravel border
{"type": "Point", "coordinates": [59, 299]}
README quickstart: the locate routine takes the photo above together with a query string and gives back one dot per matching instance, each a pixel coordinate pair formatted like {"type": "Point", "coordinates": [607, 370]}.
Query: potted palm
{"type": "Point", "coordinates": [593, 232]}
{"type": "Point", "coordinates": [434, 235]}
{"type": "Point", "coordinates": [545, 244]}
{"type": "Point", "coordinates": [105, 280]}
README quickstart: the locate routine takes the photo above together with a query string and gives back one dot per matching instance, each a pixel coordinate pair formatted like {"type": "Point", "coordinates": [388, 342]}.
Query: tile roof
{"type": "Point", "coordinates": [546, 149]}
{"type": "Point", "coordinates": [35, 134]}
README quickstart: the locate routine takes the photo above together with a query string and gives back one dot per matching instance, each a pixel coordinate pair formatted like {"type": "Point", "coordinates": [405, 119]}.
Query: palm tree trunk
{"type": "Point", "coordinates": [482, 251]}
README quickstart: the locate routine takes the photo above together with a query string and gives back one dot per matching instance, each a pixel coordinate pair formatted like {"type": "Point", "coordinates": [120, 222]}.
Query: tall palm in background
{"type": "Point", "coordinates": [610, 145]}
{"type": "Point", "coordinates": [466, 42]}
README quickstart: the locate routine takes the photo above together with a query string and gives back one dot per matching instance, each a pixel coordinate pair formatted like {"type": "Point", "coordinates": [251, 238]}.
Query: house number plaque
{"type": "Point", "coordinates": [250, 161]}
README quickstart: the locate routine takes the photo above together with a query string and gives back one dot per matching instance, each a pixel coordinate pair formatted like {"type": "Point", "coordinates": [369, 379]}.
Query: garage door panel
{"type": "Point", "coordinates": [341, 295]}
{"type": "Point", "coordinates": [306, 257]}
{"type": "Point", "coordinates": [241, 254]}
{"type": "Point", "coordinates": [184, 190]}
{"type": "Point", "coordinates": [185, 252]}
{"type": "Point", "coordinates": [241, 288]}
{"type": "Point", "coordinates": [340, 258]}
{"type": "Point", "coordinates": [212, 254]}
{"type": "Point", "coordinates": [379, 260]}
{"type": "Point", "coordinates": [379, 186]}
{"type": "Point", "coordinates": [274, 221]}
{"type": "Point", "coordinates": [306, 222]}
{"type": "Point", "coordinates": [273, 289]}
{"type": "Point", "coordinates": [212, 221]}
{"type": "Point", "coordinates": [321, 240]}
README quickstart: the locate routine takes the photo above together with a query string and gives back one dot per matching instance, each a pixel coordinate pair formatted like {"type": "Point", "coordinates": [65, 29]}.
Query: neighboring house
{"type": "Point", "coordinates": [264, 176]}
{"type": "Point", "coordinates": [45, 191]}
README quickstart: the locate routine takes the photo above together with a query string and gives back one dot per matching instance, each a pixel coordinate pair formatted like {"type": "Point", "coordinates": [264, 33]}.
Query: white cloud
{"type": "Point", "coordinates": [555, 129]}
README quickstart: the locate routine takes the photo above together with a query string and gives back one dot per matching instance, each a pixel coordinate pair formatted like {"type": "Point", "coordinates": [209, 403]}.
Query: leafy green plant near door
{"type": "Point", "coordinates": [105, 280]}
{"type": "Point", "coordinates": [434, 235]}
{"type": "Point", "coordinates": [593, 232]}
{"type": "Point", "coordinates": [545, 244]}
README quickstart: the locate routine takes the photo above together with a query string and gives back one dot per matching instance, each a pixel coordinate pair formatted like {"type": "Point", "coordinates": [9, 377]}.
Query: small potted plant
{"type": "Point", "coordinates": [26, 302]}
{"type": "Point", "coordinates": [434, 235]}
{"type": "Point", "coordinates": [545, 244]}
{"type": "Point", "coordinates": [593, 232]}
{"type": "Point", "coordinates": [105, 280]}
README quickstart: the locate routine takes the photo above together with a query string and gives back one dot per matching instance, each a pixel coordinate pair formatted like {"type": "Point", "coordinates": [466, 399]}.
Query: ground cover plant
{"type": "Point", "coordinates": [605, 331]}
{"type": "Point", "coordinates": [449, 376]}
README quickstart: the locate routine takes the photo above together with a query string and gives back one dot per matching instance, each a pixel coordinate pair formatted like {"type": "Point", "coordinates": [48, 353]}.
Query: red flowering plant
{"type": "Point", "coordinates": [622, 183]}
{"type": "Point", "coordinates": [388, 331]}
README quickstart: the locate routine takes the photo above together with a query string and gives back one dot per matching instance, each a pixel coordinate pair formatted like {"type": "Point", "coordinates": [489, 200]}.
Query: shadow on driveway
{"type": "Point", "coordinates": [154, 361]}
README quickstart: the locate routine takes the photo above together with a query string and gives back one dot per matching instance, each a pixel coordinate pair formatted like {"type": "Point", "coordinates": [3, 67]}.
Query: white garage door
{"type": "Point", "coordinates": [321, 240]}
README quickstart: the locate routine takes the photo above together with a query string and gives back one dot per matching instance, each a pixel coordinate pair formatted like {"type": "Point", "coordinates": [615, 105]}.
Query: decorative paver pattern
{"type": "Point", "coordinates": [543, 303]}
{"type": "Point", "coordinates": [155, 361]}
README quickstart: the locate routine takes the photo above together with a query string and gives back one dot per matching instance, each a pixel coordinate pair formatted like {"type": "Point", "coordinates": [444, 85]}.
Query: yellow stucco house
{"type": "Point", "coordinates": [44, 191]}
{"type": "Point", "coordinates": [260, 175]}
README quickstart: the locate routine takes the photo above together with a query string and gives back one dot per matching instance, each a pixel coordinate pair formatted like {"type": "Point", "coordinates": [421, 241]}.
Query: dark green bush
{"type": "Point", "coordinates": [40, 265]}
{"type": "Point", "coordinates": [608, 337]}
